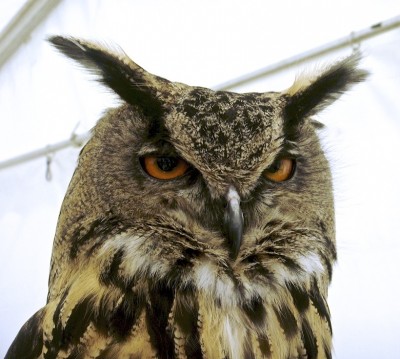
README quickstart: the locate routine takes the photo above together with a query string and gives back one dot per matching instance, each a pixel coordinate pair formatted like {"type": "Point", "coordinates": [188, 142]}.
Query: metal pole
{"type": "Point", "coordinates": [74, 141]}
{"type": "Point", "coordinates": [21, 26]}
{"type": "Point", "coordinates": [354, 38]}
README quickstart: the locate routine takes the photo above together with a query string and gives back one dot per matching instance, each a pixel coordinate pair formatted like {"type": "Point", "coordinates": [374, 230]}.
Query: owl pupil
{"type": "Point", "coordinates": [275, 166]}
{"type": "Point", "coordinates": [167, 164]}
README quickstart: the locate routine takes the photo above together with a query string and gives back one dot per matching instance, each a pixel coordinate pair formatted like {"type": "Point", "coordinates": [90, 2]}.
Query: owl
{"type": "Point", "coordinates": [197, 224]}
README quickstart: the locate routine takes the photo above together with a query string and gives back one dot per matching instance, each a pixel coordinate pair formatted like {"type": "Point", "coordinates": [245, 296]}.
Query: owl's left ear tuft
{"type": "Point", "coordinates": [308, 96]}
{"type": "Point", "coordinates": [118, 72]}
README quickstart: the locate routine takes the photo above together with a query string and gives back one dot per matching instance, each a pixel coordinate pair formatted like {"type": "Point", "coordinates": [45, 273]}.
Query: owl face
{"type": "Point", "coordinates": [231, 171]}
{"type": "Point", "coordinates": [225, 140]}
{"type": "Point", "coordinates": [198, 223]}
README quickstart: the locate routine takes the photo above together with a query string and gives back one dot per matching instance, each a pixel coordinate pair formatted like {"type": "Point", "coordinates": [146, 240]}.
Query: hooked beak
{"type": "Point", "coordinates": [233, 222]}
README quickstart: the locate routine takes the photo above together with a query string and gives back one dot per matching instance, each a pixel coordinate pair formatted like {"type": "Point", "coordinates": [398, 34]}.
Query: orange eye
{"type": "Point", "coordinates": [164, 168]}
{"type": "Point", "coordinates": [281, 170]}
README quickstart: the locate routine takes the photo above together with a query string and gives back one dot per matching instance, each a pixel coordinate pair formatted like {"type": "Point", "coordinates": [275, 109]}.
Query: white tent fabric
{"type": "Point", "coordinates": [44, 98]}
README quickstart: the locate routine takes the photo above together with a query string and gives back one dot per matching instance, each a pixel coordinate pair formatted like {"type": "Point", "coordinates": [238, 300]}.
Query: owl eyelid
{"type": "Point", "coordinates": [160, 148]}
{"type": "Point", "coordinates": [157, 152]}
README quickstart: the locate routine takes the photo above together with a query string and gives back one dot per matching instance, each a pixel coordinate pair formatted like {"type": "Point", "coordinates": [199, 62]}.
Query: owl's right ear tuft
{"type": "Point", "coordinates": [118, 72]}
{"type": "Point", "coordinates": [309, 95]}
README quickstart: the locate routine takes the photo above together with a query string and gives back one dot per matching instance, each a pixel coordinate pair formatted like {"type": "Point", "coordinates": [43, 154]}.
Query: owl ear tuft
{"type": "Point", "coordinates": [118, 72]}
{"type": "Point", "coordinates": [308, 96]}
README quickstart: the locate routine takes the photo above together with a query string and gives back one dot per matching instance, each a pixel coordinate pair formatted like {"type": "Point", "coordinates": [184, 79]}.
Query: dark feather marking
{"type": "Point", "coordinates": [258, 270]}
{"type": "Point", "coordinates": [300, 297]}
{"type": "Point", "coordinates": [101, 227]}
{"type": "Point", "coordinates": [28, 342]}
{"type": "Point", "coordinates": [265, 347]}
{"type": "Point", "coordinates": [290, 263]}
{"type": "Point", "coordinates": [186, 318]}
{"type": "Point", "coordinates": [328, 244]}
{"type": "Point", "coordinates": [161, 299]}
{"type": "Point", "coordinates": [58, 335]}
{"type": "Point", "coordinates": [309, 340]}
{"type": "Point", "coordinates": [109, 274]}
{"type": "Point", "coordinates": [248, 353]}
{"type": "Point", "coordinates": [287, 320]}
{"type": "Point", "coordinates": [102, 320]}
{"type": "Point", "coordinates": [331, 247]}
{"type": "Point", "coordinates": [78, 322]}
{"type": "Point", "coordinates": [126, 314]}
{"type": "Point", "coordinates": [106, 231]}
{"type": "Point", "coordinates": [327, 263]}
{"type": "Point", "coordinates": [120, 320]}
{"type": "Point", "coordinates": [255, 311]}
{"type": "Point", "coordinates": [327, 351]}
{"type": "Point", "coordinates": [320, 303]}
{"type": "Point", "coordinates": [329, 255]}
{"type": "Point", "coordinates": [182, 265]}
{"type": "Point", "coordinates": [287, 261]}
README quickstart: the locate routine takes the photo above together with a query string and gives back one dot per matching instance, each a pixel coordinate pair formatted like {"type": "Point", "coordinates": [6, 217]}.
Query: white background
{"type": "Point", "coordinates": [44, 97]}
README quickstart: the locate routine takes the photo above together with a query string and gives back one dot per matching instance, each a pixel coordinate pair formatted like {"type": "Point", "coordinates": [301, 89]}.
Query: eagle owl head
{"type": "Point", "coordinates": [198, 223]}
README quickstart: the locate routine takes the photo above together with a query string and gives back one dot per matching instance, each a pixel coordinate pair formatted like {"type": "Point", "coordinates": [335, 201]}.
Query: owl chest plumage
{"type": "Point", "coordinates": [204, 309]}
{"type": "Point", "coordinates": [185, 325]}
